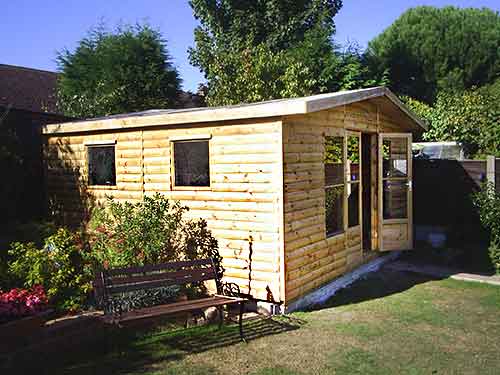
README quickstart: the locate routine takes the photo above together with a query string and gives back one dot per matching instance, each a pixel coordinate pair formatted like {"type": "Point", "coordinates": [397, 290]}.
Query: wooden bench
{"type": "Point", "coordinates": [119, 280]}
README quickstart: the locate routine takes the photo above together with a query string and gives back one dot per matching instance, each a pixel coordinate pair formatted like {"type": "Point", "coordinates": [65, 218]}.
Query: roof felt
{"type": "Point", "coordinates": [28, 89]}
{"type": "Point", "coordinates": [270, 108]}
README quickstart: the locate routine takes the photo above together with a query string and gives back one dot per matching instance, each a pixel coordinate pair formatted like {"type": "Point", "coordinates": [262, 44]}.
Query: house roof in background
{"type": "Point", "coordinates": [28, 89]}
{"type": "Point", "coordinates": [271, 108]}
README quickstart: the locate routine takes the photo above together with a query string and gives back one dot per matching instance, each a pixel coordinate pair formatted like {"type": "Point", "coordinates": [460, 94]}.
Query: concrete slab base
{"type": "Point", "coordinates": [322, 294]}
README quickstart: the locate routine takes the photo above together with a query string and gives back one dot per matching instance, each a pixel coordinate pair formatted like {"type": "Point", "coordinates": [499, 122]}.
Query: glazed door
{"type": "Point", "coordinates": [395, 192]}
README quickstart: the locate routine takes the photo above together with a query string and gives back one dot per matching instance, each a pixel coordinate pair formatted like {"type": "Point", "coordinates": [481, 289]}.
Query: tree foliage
{"type": "Point", "coordinates": [428, 49]}
{"type": "Point", "coordinates": [267, 49]}
{"type": "Point", "coordinates": [471, 117]}
{"type": "Point", "coordinates": [126, 70]}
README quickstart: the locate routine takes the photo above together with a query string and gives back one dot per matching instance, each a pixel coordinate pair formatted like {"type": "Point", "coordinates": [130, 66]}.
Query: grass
{"type": "Point", "coordinates": [390, 322]}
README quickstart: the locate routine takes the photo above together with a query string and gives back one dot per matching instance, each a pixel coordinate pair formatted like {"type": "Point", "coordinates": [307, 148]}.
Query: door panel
{"type": "Point", "coordinates": [395, 192]}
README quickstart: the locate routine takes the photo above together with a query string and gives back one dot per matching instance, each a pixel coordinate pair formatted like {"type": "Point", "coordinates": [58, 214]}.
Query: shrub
{"type": "Point", "coordinates": [152, 231]}
{"type": "Point", "coordinates": [148, 232]}
{"type": "Point", "coordinates": [488, 203]}
{"type": "Point", "coordinates": [19, 303]}
{"type": "Point", "coordinates": [58, 266]}
{"type": "Point", "coordinates": [494, 252]}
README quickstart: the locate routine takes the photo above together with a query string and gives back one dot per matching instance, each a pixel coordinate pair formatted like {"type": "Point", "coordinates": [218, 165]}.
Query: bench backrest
{"type": "Point", "coordinates": [119, 280]}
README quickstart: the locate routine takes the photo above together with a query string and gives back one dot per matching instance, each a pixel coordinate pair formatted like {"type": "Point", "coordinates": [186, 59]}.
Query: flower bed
{"type": "Point", "coordinates": [19, 303]}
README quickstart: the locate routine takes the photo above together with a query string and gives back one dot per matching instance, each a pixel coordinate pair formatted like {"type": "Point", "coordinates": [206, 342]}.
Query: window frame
{"type": "Point", "coordinates": [192, 138]}
{"type": "Point", "coordinates": [345, 134]}
{"type": "Point", "coordinates": [356, 134]}
{"type": "Point", "coordinates": [97, 144]}
{"type": "Point", "coordinates": [344, 195]}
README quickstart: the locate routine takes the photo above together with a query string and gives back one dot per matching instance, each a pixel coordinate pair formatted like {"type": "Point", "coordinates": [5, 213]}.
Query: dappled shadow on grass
{"type": "Point", "coordinates": [379, 284]}
{"type": "Point", "coordinates": [253, 328]}
{"type": "Point", "coordinates": [136, 350]}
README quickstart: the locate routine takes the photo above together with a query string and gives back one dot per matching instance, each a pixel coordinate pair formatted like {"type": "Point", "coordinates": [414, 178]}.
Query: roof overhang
{"type": "Point", "coordinates": [272, 108]}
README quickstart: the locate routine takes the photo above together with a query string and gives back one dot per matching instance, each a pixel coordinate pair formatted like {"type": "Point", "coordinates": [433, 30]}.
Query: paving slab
{"type": "Point", "coordinates": [443, 272]}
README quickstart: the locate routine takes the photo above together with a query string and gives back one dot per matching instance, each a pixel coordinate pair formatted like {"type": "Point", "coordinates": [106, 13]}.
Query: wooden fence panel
{"type": "Point", "coordinates": [442, 197]}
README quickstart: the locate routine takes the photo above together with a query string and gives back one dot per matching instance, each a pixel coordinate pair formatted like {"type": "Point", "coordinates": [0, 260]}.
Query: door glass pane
{"type": "Point", "coordinates": [353, 156]}
{"type": "Point", "coordinates": [395, 199]}
{"type": "Point", "coordinates": [353, 204]}
{"type": "Point", "coordinates": [395, 157]}
{"type": "Point", "coordinates": [334, 161]}
{"type": "Point", "coordinates": [334, 202]}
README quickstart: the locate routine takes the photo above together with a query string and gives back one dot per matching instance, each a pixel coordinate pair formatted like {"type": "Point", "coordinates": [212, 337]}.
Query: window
{"type": "Point", "coordinates": [101, 165]}
{"type": "Point", "coordinates": [334, 185]}
{"type": "Point", "coordinates": [353, 179]}
{"type": "Point", "coordinates": [395, 178]}
{"type": "Point", "coordinates": [191, 163]}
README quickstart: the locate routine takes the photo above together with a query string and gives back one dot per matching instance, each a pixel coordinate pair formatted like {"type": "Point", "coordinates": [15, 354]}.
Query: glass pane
{"type": "Point", "coordinates": [395, 199]}
{"type": "Point", "coordinates": [101, 165]}
{"type": "Point", "coordinates": [191, 163]}
{"type": "Point", "coordinates": [334, 161]}
{"type": "Point", "coordinates": [395, 157]}
{"type": "Point", "coordinates": [334, 202]}
{"type": "Point", "coordinates": [353, 204]}
{"type": "Point", "coordinates": [353, 156]}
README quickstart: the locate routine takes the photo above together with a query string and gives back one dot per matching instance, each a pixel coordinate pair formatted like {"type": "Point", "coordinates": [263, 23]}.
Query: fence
{"type": "Point", "coordinates": [442, 195]}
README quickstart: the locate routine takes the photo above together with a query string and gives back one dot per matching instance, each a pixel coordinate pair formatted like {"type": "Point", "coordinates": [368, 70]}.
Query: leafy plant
{"type": "Point", "coordinates": [488, 203]}
{"type": "Point", "coordinates": [123, 234]}
{"type": "Point", "coordinates": [152, 231]}
{"type": "Point", "coordinates": [471, 117]}
{"type": "Point", "coordinates": [58, 266]}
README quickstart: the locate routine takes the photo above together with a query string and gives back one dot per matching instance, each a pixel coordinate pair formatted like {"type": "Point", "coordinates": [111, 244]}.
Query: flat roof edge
{"type": "Point", "coordinates": [276, 108]}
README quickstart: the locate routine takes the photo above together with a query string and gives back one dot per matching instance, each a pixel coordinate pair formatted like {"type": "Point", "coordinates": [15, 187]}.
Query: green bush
{"type": "Point", "coordinates": [148, 232]}
{"type": "Point", "coordinates": [118, 235]}
{"type": "Point", "coordinates": [58, 265]}
{"type": "Point", "coordinates": [494, 252]}
{"type": "Point", "coordinates": [488, 203]}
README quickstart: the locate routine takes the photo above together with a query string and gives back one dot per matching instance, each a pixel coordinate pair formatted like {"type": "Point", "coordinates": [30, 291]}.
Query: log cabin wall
{"type": "Point", "coordinates": [312, 259]}
{"type": "Point", "coordinates": [243, 206]}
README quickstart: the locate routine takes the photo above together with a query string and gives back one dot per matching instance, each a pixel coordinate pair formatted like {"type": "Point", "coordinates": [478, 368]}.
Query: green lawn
{"type": "Point", "coordinates": [390, 322]}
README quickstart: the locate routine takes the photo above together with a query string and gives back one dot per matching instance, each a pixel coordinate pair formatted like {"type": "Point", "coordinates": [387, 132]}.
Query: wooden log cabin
{"type": "Point", "coordinates": [297, 191]}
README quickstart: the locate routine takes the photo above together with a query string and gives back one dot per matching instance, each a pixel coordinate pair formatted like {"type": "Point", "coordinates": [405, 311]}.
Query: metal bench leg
{"type": "Point", "coordinates": [240, 322]}
{"type": "Point", "coordinates": [221, 316]}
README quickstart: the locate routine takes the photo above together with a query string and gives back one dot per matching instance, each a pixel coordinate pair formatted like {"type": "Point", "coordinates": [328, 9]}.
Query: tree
{"type": "Point", "coordinates": [471, 117]}
{"type": "Point", "coordinates": [126, 70]}
{"type": "Point", "coordinates": [267, 49]}
{"type": "Point", "coordinates": [428, 49]}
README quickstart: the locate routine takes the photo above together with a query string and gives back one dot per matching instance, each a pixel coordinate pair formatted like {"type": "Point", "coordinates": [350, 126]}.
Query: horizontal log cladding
{"type": "Point", "coordinates": [312, 259]}
{"type": "Point", "coordinates": [241, 206]}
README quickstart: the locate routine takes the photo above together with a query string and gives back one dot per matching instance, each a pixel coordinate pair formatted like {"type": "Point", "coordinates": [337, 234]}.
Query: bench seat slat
{"type": "Point", "coordinates": [176, 307]}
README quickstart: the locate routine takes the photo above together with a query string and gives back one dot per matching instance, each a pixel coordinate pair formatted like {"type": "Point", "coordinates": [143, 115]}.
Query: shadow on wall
{"type": "Point", "coordinates": [68, 201]}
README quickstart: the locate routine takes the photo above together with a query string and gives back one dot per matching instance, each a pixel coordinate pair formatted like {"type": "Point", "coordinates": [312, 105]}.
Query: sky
{"type": "Point", "coordinates": [32, 31]}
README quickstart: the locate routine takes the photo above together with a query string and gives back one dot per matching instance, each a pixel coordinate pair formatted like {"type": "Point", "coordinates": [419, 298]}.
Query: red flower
{"type": "Point", "coordinates": [22, 302]}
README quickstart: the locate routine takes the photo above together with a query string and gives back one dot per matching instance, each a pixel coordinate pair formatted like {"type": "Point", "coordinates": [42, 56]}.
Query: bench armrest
{"type": "Point", "coordinates": [230, 289]}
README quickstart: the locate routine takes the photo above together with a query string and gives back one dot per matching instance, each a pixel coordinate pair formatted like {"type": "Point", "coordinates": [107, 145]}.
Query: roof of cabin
{"type": "Point", "coordinates": [270, 108]}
